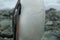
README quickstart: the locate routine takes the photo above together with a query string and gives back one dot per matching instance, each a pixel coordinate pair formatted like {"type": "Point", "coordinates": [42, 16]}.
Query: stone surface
{"type": "Point", "coordinates": [5, 24]}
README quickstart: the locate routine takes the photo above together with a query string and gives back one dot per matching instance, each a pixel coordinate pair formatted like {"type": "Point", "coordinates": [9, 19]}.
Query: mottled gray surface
{"type": "Point", "coordinates": [5, 23]}
{"type": "Point", "coordinates": [49, 36]}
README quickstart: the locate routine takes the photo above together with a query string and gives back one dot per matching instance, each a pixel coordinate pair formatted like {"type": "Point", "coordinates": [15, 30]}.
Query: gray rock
{"type": "Point", "coordinates": [48, 36]}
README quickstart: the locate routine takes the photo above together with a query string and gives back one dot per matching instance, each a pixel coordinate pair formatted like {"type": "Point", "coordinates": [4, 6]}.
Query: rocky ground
{"type": "Point", "coordinates": [52, 25]}
{"type": "Point", "coordinates": [5, 23]}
